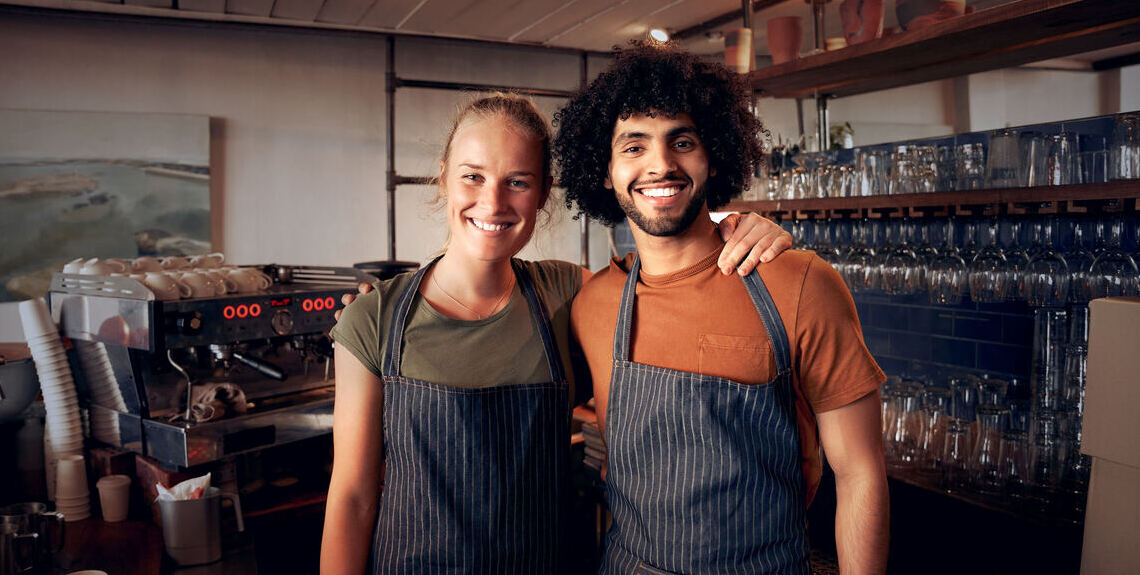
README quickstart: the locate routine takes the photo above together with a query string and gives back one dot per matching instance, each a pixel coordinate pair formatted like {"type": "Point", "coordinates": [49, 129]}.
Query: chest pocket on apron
{"type": "Point", "coordinates": [704, 472]}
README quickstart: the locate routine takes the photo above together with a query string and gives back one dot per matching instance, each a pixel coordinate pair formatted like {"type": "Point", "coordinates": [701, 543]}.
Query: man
{"type": "Point", "coordinates": [713, 394]}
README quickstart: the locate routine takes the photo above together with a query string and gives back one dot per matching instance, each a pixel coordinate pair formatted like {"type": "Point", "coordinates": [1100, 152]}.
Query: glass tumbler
{"type": "Point", "coordinates": [1003, 167]}
{"type": "Point", "coordinates": [1061, 160]}
{"type": "Point", "coordinates": [905, 426]}
{"type": "Point", "coordinates": [956, 455]}
{"type": "Point", "coordinates": [1124, 150]}
{"type": "Point", "coordinates": [932, 439]}
{"type": "Point", "coordinates": [985, 461]}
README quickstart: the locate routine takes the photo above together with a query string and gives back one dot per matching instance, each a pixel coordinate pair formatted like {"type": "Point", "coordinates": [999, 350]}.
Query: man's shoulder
{"type": "Point", "coordinates": [607, 283]}
{"type": "Point", "coordinates": [794, 268]}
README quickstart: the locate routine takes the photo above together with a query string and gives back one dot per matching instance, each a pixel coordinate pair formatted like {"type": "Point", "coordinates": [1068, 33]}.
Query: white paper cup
{"type": "Point", "coordinates": [70, 475]}
{"type": "Point", "coordinates": [114, 496]}
{"type": "Point", "coordinates": [36, 319]}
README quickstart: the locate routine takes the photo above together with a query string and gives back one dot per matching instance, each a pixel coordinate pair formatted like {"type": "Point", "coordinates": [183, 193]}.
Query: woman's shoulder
{"type": "Point", "coordinates": [554, 275]}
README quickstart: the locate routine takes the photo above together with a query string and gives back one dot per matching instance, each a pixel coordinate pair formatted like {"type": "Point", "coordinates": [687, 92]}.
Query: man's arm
{"type": "Point", "coordinates": [853, 442]}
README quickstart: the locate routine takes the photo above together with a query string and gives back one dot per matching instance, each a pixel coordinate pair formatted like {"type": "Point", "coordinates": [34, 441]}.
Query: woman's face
{"type": "Point", "coordinates": [495, 186]}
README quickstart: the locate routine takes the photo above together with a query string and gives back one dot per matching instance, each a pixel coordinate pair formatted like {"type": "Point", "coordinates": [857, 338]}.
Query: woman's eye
{"type": "Point", "coordinates": [473, 177]}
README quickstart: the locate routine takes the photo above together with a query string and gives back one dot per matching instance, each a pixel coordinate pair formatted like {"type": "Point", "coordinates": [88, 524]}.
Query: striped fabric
{"type": "Point", "coordinates": [474, 480]}
{"type": "Point", "coordinates": [704, 472]}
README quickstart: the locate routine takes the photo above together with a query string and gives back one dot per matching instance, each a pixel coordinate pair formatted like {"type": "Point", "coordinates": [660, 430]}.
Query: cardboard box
{"type": "Point", "coordinates": [1112, 520]}
{"type": "Point", "coordinates": [1110, 422]}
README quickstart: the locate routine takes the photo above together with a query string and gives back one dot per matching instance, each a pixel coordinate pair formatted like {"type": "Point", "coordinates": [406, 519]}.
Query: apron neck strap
{"type": "Point", "coordinates": [757, 291]}
{"type": "Point", "coordinates": [404, 306]}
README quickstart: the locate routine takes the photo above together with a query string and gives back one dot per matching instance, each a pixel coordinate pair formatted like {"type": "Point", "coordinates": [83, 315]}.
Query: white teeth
{"type": "Point", "coordinates": [660, 192]}
{"type": "Point", "coordinates": [489, 227]}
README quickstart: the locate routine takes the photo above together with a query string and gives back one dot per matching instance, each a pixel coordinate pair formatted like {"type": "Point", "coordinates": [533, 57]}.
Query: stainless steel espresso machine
{"type": "Point", "coordinates": [192, 381]}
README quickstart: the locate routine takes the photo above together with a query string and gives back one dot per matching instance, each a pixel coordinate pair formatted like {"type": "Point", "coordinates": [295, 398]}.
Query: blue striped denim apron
{"type": "Point", "coordinates": [704, 472]}
{"type": "Point", "coordinates": [474, 477]}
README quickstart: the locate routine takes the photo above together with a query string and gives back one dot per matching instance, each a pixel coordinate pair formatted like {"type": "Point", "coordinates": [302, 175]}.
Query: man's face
{"type": "Point", "coordinates": [658, 170]}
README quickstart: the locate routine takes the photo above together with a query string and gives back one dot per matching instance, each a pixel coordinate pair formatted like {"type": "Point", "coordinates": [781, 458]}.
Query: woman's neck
{"type": "Point", "coordinates": [464, 288]}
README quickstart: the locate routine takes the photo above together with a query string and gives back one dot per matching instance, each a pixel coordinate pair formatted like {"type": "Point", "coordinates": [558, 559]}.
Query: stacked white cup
{"type": "Point", "coordinates": [72, 496]}
{"type": "Point", "coordinates": [63, 434]}
{"type": "Point", "coordinates": [104, 388]}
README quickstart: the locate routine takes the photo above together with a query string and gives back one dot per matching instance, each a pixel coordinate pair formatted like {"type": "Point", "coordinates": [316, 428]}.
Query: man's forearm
{"type": "Point", "coordinates": [862, 518]}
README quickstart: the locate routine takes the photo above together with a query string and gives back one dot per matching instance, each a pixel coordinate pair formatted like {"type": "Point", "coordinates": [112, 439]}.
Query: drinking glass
{"type": "Point", "coordinates": [825, 244]}
{"type": "Point", "coordinates": [903, 171]}
{"type": "Point", "coordinates": [1017, 260]}
{"type": "Point", "coordinates": [1034, 150]}
{"type": "Point", "coordinates": [1113, 273]}
{"type": "Point", "coordinates": [858, 265]}
{"type": "Point", "coordinates": [900, 264]}
{"type": "Point", "coordinates": [964, 396]}
{"type": "Point", "coordinates": [985, 462]}
{"type": "Point", "coordinates": [969, 166]}
{"type": "Point", "coordinates": [1014, 462]}
{"type": "Point", "coordinates": [990, 272]}
{"type": "Point", "coordinates": [925, 253]}
{"type": "Point", "coordinates": [1047, 456]}
{"type": "Point", "coordinates": [925, 159]}
{"type": "Point", "coordinates": [905, 426]}
{"type": "Point", "coordinates": [1080, 260]}
{"type": "Point", "coordinates": [1124, 151]}
{"type": "Point", "coordinates": [956, 455]}
{"type": "Point", "coordinates": [931, 441]}
{"type": "Point", "coordinates": [1046, 278]}
{"type": "Point", "coordinates": [1003, 167]}
{"type": "Point", "coordinates": [874, 167]}
{"type": "Point", "coordinates": [992, 391]}
{"type": "Point", "coordinates": [1061, 160]}
{"type": "Point", "coordinates": [1048, 358]}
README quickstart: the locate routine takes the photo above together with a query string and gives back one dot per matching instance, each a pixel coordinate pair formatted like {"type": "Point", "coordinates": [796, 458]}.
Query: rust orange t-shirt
{"type": "Point", "coordinates": [700, 321]}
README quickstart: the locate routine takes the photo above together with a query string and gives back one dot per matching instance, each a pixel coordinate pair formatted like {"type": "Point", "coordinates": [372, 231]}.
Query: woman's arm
{"type": "Point", "coordinates": [354, 491]}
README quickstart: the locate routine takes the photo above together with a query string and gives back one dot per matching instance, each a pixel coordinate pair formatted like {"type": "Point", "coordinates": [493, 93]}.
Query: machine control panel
{"type": "Point", "coordinates": [248, 316]}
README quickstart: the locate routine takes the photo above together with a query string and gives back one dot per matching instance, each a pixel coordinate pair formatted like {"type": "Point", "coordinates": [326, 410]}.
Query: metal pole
{"type": "Point", "coordinates": [584, 222]}
{"type": "Point", "coordinates": [817, 9]}
{"type": "Point", "coordinates": [390, 88]}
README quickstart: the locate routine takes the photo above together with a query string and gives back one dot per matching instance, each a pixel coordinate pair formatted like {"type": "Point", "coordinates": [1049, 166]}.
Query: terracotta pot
{"type": "Point", "coordinates": [738, 50]}
{"type": "Point", "coordinates": [862, 20]}
{"type": "Point", "coordinates": [785, 37]}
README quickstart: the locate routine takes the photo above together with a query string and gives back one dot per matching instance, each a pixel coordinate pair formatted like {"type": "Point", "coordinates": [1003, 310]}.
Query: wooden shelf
{"type": "Point", "coordinates": [1000, 37]}
{"type": "Point", "coordinates": [1072, 198]}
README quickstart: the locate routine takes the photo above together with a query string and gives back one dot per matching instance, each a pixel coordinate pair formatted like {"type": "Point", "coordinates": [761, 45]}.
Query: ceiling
{"type": "Point", "coordinates": [593, 25]}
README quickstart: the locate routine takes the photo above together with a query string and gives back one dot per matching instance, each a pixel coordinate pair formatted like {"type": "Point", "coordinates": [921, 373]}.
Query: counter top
{"type": "Point", "coordinates": [135, 548]}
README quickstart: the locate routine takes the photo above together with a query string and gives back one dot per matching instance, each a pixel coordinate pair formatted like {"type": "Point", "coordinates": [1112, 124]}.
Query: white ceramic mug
{"type": "Point", "coordinates": [208, 261]}
{"type": "Point", "coordinates": [249, 279]}
{"type": "Point", "coordinates": [166, 287]}
{"type": "Point", "coordinates": [174, 263]}
{"type": "Point", "coordinates": [228, 285]}
{"type": "Point", "coordinates": [74, 266]}
{"type": "Point", "coordinates": [201, 285]}
{"type": "Point", "coordinates": [98, 267]}
{"type": "Point", "coordinates": [146, 264]}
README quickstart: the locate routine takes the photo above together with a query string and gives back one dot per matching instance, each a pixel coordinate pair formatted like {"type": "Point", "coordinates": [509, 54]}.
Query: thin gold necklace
{"type": "Point", "coordinates": [510, 286]}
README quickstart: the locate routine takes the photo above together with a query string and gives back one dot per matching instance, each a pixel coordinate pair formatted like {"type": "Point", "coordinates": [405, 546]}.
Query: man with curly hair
{"type": "Point", "coordinates": [714, 392]}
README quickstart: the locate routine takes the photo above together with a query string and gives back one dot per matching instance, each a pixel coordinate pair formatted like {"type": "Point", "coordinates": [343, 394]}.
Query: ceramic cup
{"type": "Point", "coordinates": [146, 264]}
{"type": "Point", "coordinates": [862, 20]}
{"type": "Point", "coordinates": [98, 267]}
{"type": "Point", "coordinates": [208, 261]}
{"type": "Point", "coordinates": [74, 266]}
{"type": "Point", "coordinates": [166, 287]}
{"type": "Point", "coordinates": [174, 263]}
{"type": "Point", "coordinates": [248, 279]}
{"type": "Point", "coordinates": [201, 285]}
{"type": "Point", "coordinates": [219, 276]}
{"type": "Point", "coordinates": [785, 38]}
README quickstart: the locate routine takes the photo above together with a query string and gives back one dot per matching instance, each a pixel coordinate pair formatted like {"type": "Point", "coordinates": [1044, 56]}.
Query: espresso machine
{"type": "Point", "coordinates": [193, 381]}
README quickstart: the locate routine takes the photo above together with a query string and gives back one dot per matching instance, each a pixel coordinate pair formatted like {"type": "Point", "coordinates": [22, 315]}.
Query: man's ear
{"type": "Point", "coordinates": [608, 183]}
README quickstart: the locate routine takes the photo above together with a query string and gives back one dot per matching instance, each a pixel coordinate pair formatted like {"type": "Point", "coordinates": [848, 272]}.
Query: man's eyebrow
{"type": "Point", "coordinates": [629, 136]}
{"type": "Point", "coordinates": [682, 130]}
{"type": "Point", "coordinates": [678, 131]}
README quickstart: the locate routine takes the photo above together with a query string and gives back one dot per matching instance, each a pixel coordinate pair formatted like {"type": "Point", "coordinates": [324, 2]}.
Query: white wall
{"type": "Point", "coordinates": [299, 129]}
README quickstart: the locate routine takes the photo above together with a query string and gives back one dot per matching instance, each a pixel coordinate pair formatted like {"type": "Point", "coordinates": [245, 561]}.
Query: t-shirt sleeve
{"type": "Point", "coordinates": [358, 330]}
{"type": "Point", "coordinates": [558, 281]}
{"type": "Point", "coordinates": [835, 366]}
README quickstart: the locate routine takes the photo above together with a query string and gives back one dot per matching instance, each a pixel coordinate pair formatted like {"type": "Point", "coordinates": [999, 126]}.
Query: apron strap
{"type": "Point", "coordinates": [400, 315]}
{"type": "Point", "coordinates": [761, 300]}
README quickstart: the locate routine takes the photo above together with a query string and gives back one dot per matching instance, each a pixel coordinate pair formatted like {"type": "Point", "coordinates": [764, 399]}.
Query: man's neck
{"type": "Point", "coordinates": [666, 254]}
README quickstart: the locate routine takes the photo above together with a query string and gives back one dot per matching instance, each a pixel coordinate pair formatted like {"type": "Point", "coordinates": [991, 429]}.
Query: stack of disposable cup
{"type": "Point", "coordinates": [63, 433]}
{"type": "Point", "coordinates": [104, 391]}
{"type": "Point", "coordinates": [72, 496]}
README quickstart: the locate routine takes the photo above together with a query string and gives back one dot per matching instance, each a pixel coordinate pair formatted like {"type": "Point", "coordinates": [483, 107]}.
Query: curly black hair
{"type": "Point", "coordinates": [659, 80]}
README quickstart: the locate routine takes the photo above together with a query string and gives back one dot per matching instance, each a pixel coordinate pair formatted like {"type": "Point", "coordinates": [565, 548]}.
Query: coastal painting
{"type": "Point", "coordinates": [91, 184]}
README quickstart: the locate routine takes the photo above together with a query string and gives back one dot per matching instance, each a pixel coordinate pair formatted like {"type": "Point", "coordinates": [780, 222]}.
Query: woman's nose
{"type": "Point", "coordinates": [494, 197]}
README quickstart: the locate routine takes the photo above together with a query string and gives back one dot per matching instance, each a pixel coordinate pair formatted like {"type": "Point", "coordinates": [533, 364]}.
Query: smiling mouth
{"type": "Point", "coordinates": [488, 226]}
{"type": "Point", "coordinates": [663, 190]}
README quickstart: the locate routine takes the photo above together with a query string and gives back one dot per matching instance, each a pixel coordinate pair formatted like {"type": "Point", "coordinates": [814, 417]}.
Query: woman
{"type": "Point", "coordinates": [455, 376]}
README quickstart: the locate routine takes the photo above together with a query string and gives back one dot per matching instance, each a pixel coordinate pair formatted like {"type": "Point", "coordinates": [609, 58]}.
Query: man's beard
{"type": "Point", "coordinates": [662, 226]}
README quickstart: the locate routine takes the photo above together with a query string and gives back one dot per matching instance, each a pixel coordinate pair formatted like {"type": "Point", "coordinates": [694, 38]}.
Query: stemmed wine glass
{"type": "Point", "coordinates": [1046, 278]}
{"type": "Point", "coordinates": [990, 271]}
{"type": "Point", "coordinates": [1113, 272]}
{"type": "Point", "coordinates": [1018, 259]}
{"type": "Point", "coordinates": [1080, 261]}
{"type": "Point", "coordinates": [947, 275]}
{"type": "Point", "coordinates": [899, 265]}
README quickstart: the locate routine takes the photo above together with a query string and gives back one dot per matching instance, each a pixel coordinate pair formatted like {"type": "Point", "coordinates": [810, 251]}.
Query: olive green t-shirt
{"type": "Point", "coordinates": [502, 349]}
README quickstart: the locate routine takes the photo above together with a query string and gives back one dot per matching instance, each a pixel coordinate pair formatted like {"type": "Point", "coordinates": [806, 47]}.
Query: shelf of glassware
{"type": "Point", "coordinates": [1003, 36]}
{"type": "Point", "coordinates": [1120, 195]}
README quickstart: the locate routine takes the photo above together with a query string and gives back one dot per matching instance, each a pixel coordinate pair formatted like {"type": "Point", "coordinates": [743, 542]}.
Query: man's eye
{"type": "Point", "coordinates": [632, 149]}
{"type": "Point", "coordinates": [521, 184]}
{"type": "Point", "coordinates": [684, 144]}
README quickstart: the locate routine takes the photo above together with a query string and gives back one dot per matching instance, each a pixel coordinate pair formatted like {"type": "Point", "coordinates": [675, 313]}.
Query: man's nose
{"type": "Point", "coordinates": [660, 160]}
